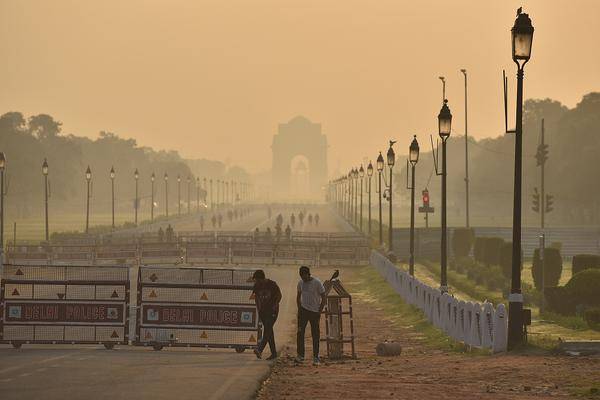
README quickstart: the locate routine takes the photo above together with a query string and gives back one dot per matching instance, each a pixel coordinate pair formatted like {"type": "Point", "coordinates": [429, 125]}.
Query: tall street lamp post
{"type": "Point", "coordinates": [88, 178]}
{"type": "Point", "coordinates": [355, 177]}
{"type": "Point", "coordinates": [112, 191]}
{"type": "Point", "coordinates": [444, 128]}
{"type": "Point", "coordinates": [136, 176]}
{"type": "Point", "coordinates": [45, 173]}
{"type": "Point", "coordinates": [188, 193]}
{"type": "Point", "coordinates": [379, 171]}
{"type": "Point", "coordinates": [413, 158]}
{"type": "Point", "coordinates": [2, 168]}
{"type": "Point", "coordinates": [370, 175]}
{"type": "Point", "coordinates": [167, 195]}
{"type": "Point", "coordinates": [152, 178]}
{"type": "Point", "coordinates": [198, 194]}
{"type": "Point", "coordinates": [522, 39]}
{"type": "Point", "coordinates": [361, 173]}
{"type": "Point", "coordinates": [205, 191]}
{"type": "Point", "coordinates": [178, 195]}
{"type": "Point", "coordinates": [464, 72]}
{"type": "Point", "coordinates": [391, 159]}
{"type": "Point", "coordinates": [212, 200]}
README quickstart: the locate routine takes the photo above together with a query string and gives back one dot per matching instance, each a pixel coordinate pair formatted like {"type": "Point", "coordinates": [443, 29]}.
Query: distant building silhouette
{"type": "Point", "coordinates": [299, 159]}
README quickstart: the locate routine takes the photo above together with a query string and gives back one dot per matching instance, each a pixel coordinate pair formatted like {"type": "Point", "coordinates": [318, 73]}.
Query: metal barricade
{"type": "Point", "coordinates": [27, 255]}
{"type": "Point", "coordinates": [64, 304]}
{"type": "Point", "coordinates": [116, 254]}
{"type": "Point", "coordinates": [196, 307]}
{"type": "Point", "coordinates": [207, 254]}
{"type": "Point", "coordinates": [160, 253]}
{"type": "Point", "coordinates": [242, 253]}
{"type": "Point", "coordinates": [72, 255]}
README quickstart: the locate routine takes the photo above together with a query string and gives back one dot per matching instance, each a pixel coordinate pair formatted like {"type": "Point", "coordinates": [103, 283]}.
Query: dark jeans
{"type": "Point", "coordinates": [304, 317]}
{"type": "Point", "coordinates": [268, 320]}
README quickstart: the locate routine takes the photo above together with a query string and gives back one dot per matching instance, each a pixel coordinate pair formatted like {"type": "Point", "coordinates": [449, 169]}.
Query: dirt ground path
{"type": "Point", "coordinates": [424, 370]}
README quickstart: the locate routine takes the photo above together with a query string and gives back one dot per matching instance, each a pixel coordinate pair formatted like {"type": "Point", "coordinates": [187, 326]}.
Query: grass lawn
{"type": "Point", "coordinates": [545, 329]}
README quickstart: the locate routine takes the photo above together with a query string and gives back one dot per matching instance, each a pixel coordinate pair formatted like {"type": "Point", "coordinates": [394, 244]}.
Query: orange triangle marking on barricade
{"type": "Point", "coordinates": [250, 279]}
{"type": "Point", "coordinates": [16, 292]}
{"type": "Point", "coordinates": [252, 338]}
{"type": "Point", "coordinates": [204, 296]}
{"type": "Point", "coordinates": [148, 335]}
{"type": "Point", "coordinates": [252, 296]}
{"type": "Point", "coordinates": [114, 335]}
{"type": "Point", "coordinates": [203, 335]}
{"type": "Point", "coordinates": [19, 272]}
{"type": "Point", "coordinates": [114, 294]}
{"type": "Point", "coordinates": [152, 294]}
{"type": "Point", "coordinates": [153, 277]}
{"type": "Point", "coordinates": [60, 295]}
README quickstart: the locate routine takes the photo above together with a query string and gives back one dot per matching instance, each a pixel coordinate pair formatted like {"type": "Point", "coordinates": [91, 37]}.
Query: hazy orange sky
{"type": "Point", "coordinates": [214, 78]}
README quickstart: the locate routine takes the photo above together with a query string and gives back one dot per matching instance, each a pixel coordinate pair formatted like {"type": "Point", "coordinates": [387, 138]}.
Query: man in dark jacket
{"type": "Point", "coordinates": [267, 296]}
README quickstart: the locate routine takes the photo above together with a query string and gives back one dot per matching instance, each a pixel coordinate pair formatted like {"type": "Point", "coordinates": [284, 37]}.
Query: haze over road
{"type": "Point", "coordinates": [128, 372]}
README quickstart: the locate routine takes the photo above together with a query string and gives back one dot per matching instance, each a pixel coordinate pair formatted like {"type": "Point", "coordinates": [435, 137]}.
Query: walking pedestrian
{"type": "Point", "coordinates": [267, 296]}
{"type": "Point", "coordinates": [310, 300]}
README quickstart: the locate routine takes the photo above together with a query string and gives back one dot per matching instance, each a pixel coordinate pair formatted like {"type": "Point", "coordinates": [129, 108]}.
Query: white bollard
{"type": "Point", "coordinates": [476, 325]}
{"type": "Point", "coordinates": [500, 329]}
{"type": "Point", "coordinates": [487, 325]}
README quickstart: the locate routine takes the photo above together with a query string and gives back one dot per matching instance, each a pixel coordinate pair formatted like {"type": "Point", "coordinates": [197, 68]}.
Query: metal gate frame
{"type": "Point", "coordinates": [159, 342]}
{"type": "Point", "coordinates": [69, 286]}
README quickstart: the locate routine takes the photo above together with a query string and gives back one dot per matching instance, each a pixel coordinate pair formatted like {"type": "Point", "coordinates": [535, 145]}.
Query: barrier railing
{"type": "Point", "coordinates": [196, 307]}
{"type": "Point", "coordinates": [476, 324]}
{"type": "Point", "coordinates": [64, 304]}
{"type": "Point", "coordinates": [204, 250]}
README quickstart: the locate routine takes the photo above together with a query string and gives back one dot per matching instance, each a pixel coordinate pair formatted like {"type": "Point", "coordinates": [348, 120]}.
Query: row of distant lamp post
{"type": "Point", "coordinates": [112, 174]}
{"type": "Point", "coordinates": [522, 39]}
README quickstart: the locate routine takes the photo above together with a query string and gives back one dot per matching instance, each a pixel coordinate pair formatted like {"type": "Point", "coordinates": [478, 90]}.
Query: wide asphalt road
{"type": "Point", "coordinates": [127, 372]}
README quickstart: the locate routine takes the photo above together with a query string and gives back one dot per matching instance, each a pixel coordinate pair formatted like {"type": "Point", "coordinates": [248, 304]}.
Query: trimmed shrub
{"type": "Point", "coordinates": [552, 268]}
{"type": "Point", "coordinates": [506, 259]}
{"type": "Point", "coordinates": [462, 241]}
{"type": "Point", "coordinates": [491, 252]}
{"type": "Point", "coordinates": [585, 261]}
{"type": "Point", "coordinates": [592, 317]}
{"type": "Point", "coordinates": [584, 288]}
{"type": "Point", "coordinates": [559, 300]}
{"type": "Point", "coordinates": [479, 248]}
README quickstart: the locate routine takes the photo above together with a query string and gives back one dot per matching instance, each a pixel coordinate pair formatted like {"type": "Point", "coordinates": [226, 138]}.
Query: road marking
{"type": "Point", "coordinates": [232, 378]}
{"type": "Point", "coordinates": [5, 380]}
{"type": "Point", "coordinates": [9, 369]}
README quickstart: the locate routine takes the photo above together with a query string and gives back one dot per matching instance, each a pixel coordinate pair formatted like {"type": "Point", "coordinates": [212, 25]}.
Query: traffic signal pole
{"type": "Point", "coordinates": [543, 192]}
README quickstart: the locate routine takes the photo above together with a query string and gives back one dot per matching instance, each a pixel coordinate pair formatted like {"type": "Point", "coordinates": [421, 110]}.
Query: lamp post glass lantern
{"type": "Point", "coordinates": [522, 40]}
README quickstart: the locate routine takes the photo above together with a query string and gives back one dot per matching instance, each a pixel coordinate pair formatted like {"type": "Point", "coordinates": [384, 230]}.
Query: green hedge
{"type": "Point", "coordinates": [491, 250]}
{"type": "Point", "coordinates": [462, 241]}
{"type": "Point", "coordinates": [585, 261]}
{"type": "Point", "coordinates": [585, 287]}
{"type": "Point", "coordinates": [478, 250]}
{"type": "Point", "coordinates": [592, 317]}
{"type": "Point", "coordinates": [552, 267]}
{"type": "Point", "coordinates": [506, 259]}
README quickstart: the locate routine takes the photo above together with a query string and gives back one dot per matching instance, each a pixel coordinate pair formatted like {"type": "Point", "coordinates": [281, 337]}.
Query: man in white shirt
{"type": "Point", "coordinates": [310, 300]}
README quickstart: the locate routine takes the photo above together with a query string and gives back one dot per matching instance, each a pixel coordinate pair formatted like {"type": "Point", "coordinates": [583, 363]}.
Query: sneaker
{"type": "Point", "coordinates": [316, 361]}
{"type": "Point", "coordinates": [299, 359]}
{"type": "Point", "coordinates": [272, 356]}
{"type": "Point", "coordinates": [258, 354]}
